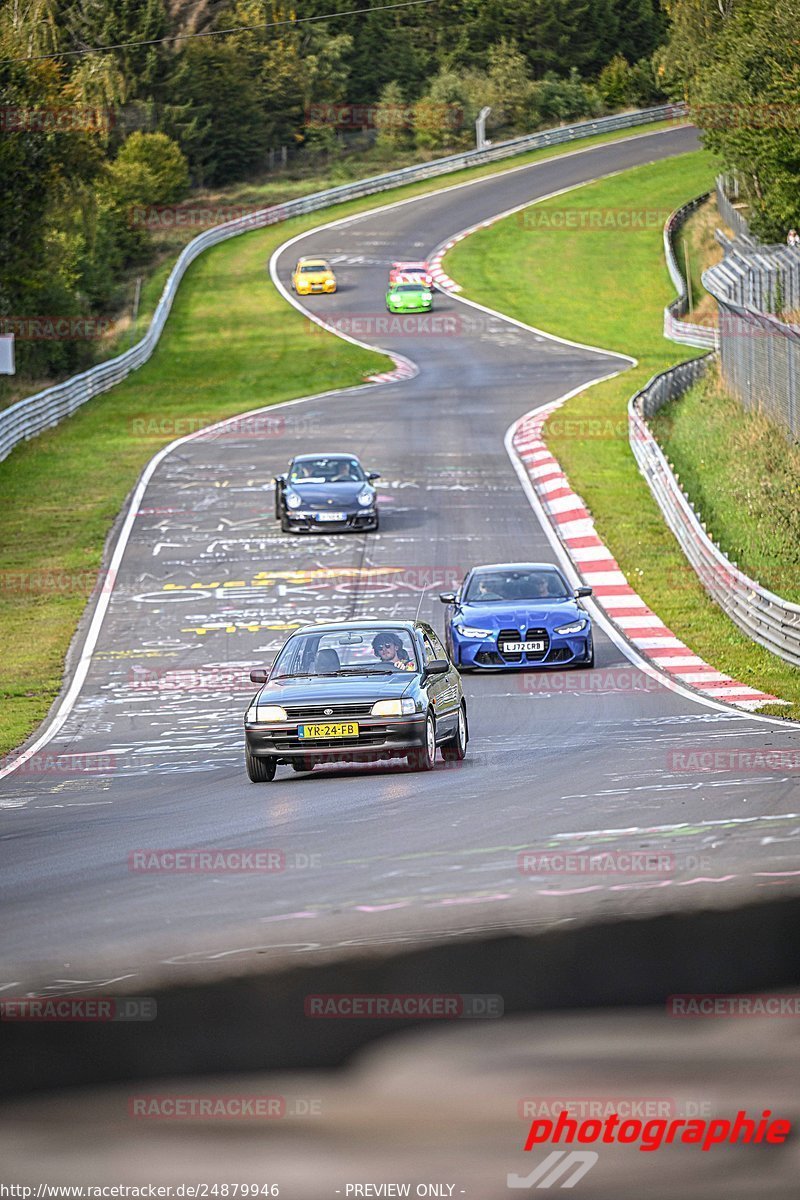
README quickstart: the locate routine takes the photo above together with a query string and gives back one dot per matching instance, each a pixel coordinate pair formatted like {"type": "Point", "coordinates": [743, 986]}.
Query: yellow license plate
{"type": "Point", "coordinates": [337, 729]}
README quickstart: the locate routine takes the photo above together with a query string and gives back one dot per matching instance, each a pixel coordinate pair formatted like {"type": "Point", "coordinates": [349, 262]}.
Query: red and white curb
{"type": "Point", "coordinates": [403, 370]}
{"type": "Point", "coordinates": [610, 589]}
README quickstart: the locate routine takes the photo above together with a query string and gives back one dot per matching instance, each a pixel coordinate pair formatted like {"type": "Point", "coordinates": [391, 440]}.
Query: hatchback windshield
{"type": "Point", "coordinates": [488, 587]}
{"type": "Point", "coordinates": [346, 652]}
{"type": "Point", "coordinates": [327, 470]}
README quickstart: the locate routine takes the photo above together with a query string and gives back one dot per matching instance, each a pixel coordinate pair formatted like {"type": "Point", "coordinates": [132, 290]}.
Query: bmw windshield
{"type": "Point", "coordinates": [493, 587]}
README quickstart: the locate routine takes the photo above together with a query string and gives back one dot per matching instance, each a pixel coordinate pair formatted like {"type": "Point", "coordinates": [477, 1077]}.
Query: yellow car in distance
{"type": "Point", "coordinates": [313, 275]}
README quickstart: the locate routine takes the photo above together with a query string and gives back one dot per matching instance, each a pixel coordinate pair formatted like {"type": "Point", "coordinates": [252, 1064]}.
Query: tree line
{"type": "Point", "coordinates": [87, 137]}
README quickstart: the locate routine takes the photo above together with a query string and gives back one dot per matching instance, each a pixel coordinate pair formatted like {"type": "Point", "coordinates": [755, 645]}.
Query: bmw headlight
{"type": "Point", "coordinates": [393, 708]}
{"type": "Point", "coordinates": [366, 498]}
{"type": "Point", "coordinates": [573, 627]}
{"type": "Point", "coordinates": [265, 712]}
{"type": "Point", "coordinates": [293, 500]}
{"type": "Point", "coordinates": [468, 631]}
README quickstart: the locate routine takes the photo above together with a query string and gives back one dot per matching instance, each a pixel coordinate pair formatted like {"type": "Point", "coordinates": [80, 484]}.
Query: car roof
{"type": "Point", "coordinates": [325, 454]}
{"type": "Point", "coordinates": [313, 261]}
{"type": "Point", "coordinates": [516, 566]}
{"type": "Point", "coordinates": [415, 263]}
{"type": "Point", "coordinates": [377, 623]}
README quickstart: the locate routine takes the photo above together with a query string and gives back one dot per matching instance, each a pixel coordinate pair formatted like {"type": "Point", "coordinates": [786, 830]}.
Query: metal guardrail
{"type": "Point", "coordinates": [763, 616]}
{"type": "Point", "coordinates": [687, 333]}
{"type": "Point", "coordinates": [30, 416]}
{"type": "Point", "coordinates": [727, 188]}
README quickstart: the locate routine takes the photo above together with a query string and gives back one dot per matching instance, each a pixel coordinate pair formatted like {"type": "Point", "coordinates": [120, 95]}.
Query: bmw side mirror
{"type": "Point", "coordinates": [437, 666]}
{"type": "Point", "coordinates": [259, 675]}
{"type": "Point", "coordinates": [373, 475]}
{"type": "Point", "coordinates": [447, 597]}
{"type": "Point", "coordinates": [583, 591]}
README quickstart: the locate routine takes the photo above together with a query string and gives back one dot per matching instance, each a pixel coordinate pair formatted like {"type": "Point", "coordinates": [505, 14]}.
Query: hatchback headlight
{"type": "Point", "coordinates": [366, 498]}
{"type": "Point", "coordinates": [265, 712]}
{"type": "Point", "coordinates": [393, 708]}
{"type": "Point", "coordinates": [293, 500]}
{"type": "Point", "coordinates": [573, 627]}
{"type": "Point", "coordinates": [468, 631]}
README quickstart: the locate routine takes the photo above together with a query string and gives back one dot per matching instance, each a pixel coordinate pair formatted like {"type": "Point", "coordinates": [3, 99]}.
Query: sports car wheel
{"type": "Point", "coordinates": [285, 526]}
{"type": "Point", "coordinates": [259, 770]}
{"type": "Point", "coordinates": [590, 659]}
{"type": "Point", "coordinates": [455, 750]}
{"type": "Point", "coordinates": [424, 758]}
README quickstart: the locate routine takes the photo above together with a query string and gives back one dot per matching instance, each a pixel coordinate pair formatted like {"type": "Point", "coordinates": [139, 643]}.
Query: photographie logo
{"type": "Point", "coordinates": [397, 1006]}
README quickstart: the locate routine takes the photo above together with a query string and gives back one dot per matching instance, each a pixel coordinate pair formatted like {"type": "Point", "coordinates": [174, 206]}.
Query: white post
{"type": "Point", "coordinates": [480, 128]}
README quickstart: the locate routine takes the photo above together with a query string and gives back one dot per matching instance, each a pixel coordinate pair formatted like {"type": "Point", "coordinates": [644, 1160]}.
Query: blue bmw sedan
{"type": "Point", "coordinates": [517, 615]}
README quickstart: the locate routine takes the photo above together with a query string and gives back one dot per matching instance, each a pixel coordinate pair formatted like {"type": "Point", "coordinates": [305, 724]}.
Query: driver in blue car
{"type": "Point", "coordinates": [388, 648]}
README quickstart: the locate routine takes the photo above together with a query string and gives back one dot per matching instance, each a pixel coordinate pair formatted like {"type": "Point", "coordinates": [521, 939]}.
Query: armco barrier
{"type": "Point", "coordinates": [686, 333]}
{"type": "Point", "coordinates": [763, 616]}
{"type": "Point", "coordinates": [32, 415]}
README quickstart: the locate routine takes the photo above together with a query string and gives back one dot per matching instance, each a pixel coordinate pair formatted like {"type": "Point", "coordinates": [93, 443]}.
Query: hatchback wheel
{"type": "Point", "coordinates": [424, 758]}
{"type": "Point", "coordinates": [455, 750]}
{"type": "Point", "coordinates": [259, 770]}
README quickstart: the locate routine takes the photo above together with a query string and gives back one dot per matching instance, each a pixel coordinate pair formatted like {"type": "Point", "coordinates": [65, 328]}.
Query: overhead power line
{"type": "Point", "coordinates": [183, 37]}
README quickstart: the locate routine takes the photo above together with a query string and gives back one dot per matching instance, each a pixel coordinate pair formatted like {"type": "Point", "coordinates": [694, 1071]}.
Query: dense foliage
{"type": "Point", "coordinates": [86, 138]}
{"type": "Point", "coordinates": [738, 64]}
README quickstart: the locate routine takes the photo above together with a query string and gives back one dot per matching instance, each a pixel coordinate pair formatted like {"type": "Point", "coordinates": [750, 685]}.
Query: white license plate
{"type": "Point", "coordinates": [331, 516]}
{"type": "Point", "coordinates": [522, 647]}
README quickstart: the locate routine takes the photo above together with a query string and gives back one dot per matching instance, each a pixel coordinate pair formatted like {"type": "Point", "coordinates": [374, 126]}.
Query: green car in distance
{"type": "Point", "coordinates": [408, 297]}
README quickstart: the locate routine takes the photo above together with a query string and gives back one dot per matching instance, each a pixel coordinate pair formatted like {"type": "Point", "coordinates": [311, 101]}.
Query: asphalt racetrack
{"type": "Point", "coordinates": [208, 587]}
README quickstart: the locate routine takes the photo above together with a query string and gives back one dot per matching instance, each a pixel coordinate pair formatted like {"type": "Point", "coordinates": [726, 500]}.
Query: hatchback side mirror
{"type": "Point", "coordinates": [583, 591]}
{"type": "Point", "coordinates": [437, 666]}
{"type": "Point", "coordinates": [373, 475]}
{"type": "Point", "coordinates": [447, 597]}
{"type": "Point", "coordinates": [259, 675]}
{"type": "Point", "coordinates": [279, 479]}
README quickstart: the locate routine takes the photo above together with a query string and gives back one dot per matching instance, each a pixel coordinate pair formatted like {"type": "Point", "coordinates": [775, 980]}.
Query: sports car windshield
{"type": "Point", "coordinates": [344, 652]}
{"type": "Point", "coordinates": [314, 268]}
{"type": "Point", "coordinates": [491, 587]}
{"type": "Point", "coordinates": [410, 287]}
{"type": "Point", "coordinates": [327, 470]}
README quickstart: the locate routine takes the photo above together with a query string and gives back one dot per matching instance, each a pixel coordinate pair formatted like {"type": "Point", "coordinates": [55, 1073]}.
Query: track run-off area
{"type": "Point", "coordinates": [148, 748]}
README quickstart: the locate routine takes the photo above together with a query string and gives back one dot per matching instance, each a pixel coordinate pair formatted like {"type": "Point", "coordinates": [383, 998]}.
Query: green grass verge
{"type": "Point", "coordinates": [231, 344]}
{"type": "Point", "coordinates": [608, 288]}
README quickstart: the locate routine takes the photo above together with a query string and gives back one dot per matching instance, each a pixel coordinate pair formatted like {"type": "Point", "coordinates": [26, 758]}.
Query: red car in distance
{"type": "Point", "coordinates": [411, 272]}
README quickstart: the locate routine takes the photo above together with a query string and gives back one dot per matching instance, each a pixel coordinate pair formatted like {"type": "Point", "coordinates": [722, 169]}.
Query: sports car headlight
{"type": "Point", "coordinates": [265, 712]}
{"type": "Point", "coordinates": [365, 498]}
{"type": "Point", "coordinates": [573, 627]}
{"type": "Point", "coordinates": [293, 500]}
{"type": "Point", "coordinates": [468, 631]}
{"type": "Point", "coordinates": [393, 708]}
